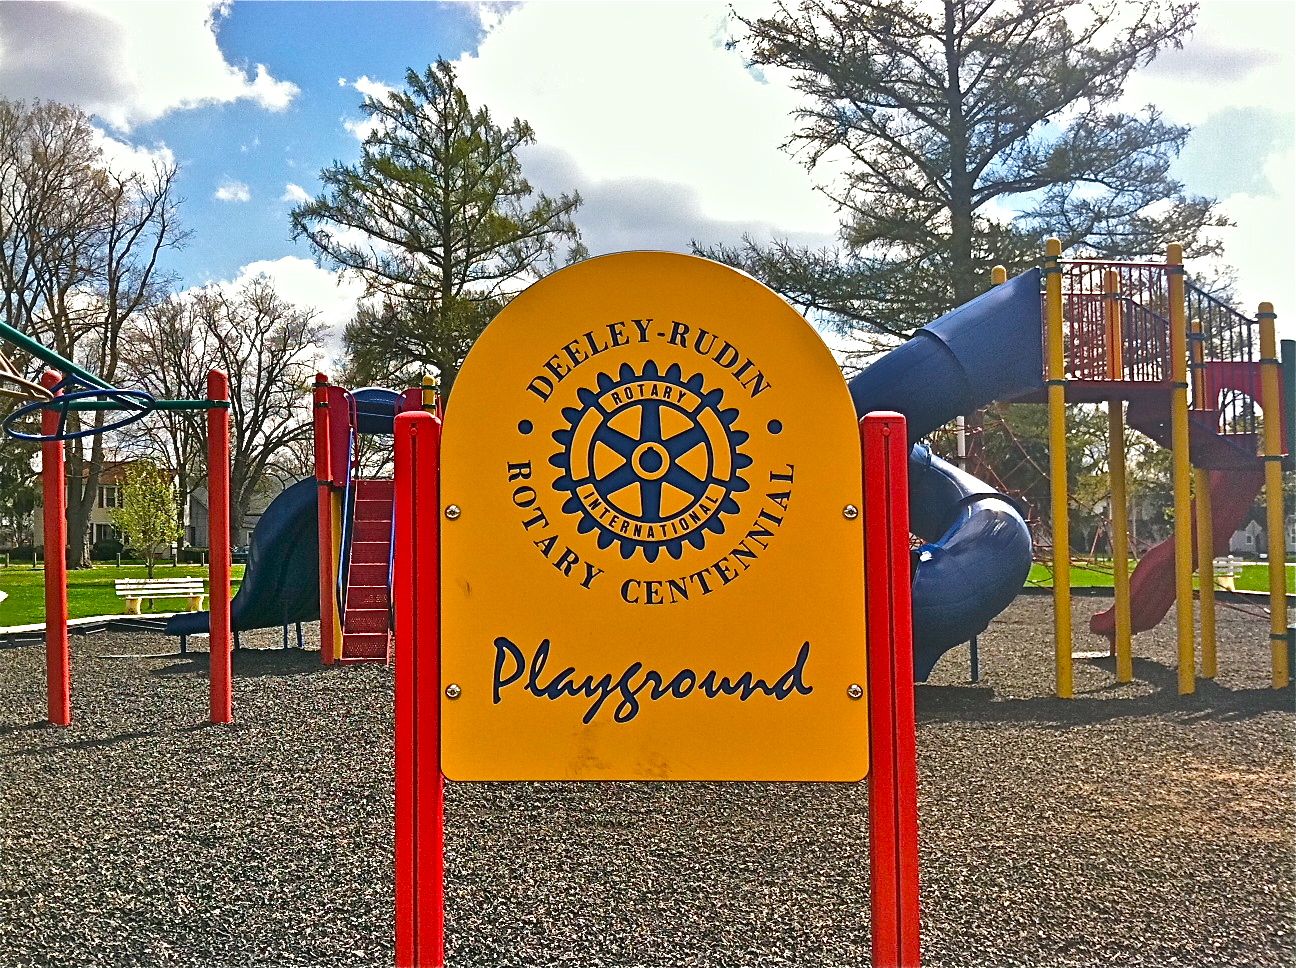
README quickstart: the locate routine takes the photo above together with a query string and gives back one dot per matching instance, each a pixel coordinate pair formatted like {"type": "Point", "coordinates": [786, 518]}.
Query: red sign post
{"type": "Point", "coordinates": [420, 812]}
{"type": "Point", "coordinates": [893, 779]}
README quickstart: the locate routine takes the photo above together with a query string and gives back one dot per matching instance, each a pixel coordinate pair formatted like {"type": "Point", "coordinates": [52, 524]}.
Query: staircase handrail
{"type": "Point", "coordinates": [348, 512]}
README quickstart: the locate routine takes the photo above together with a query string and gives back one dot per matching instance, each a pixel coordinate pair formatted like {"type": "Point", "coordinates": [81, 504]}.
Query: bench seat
{"type": "Point", "coordinates": [135, 590]}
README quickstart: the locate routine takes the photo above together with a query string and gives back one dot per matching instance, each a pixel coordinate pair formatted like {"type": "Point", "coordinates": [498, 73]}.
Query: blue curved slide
{"type": "Point", "coordinates": [281, 582]}
{"type": "Point", "coordinates": [978, 550]}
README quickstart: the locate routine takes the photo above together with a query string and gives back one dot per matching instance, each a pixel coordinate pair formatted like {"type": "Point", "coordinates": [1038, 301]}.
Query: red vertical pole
{"type": "Point", "coordinates": [58, 668]}
{"type": "Point", "coordinates": [324, 517]}
{"type": "Point", "coordinates": [420, 812]}
{"type": "Point", "coordinates": [893, 780]}
{"type": "Point", "coordinates": [218, 538]}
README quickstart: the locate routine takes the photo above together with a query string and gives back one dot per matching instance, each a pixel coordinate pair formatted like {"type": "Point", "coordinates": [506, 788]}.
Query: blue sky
{"type": "Point", "coordinates": [241, 143]}
{"type": "Point", "coordinates": [639, 106]}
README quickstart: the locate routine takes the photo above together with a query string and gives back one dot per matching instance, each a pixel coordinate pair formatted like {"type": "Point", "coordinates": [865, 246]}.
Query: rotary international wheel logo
{"type": "Point", "coordinates": [650, 461]}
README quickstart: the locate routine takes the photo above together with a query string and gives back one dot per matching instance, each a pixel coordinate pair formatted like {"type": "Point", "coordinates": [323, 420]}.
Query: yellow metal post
{"type": "Point", "coordinates": [998, 276]}
{"type": "Point", "coordinates": [1182, 470]}
{"type": "Point", "coordinates": [1116, 471]}
{"type": "Point", "coordinates": [335, 508]}
{"type": "Point", "coordinates": [429, 393]}
{"type": "Point", "coordinates": [1206, 570]}
{"type": "Point", "coordinates": [1205, 522]}
{"type": "Point", "coordinates": [1270, 367]}
{"type": "Point", "coordinates": [1056, 383]}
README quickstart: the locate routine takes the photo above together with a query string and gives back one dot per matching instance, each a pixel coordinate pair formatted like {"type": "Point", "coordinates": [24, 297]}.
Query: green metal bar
{"type": "Point", "coordinates": [47, 355]}
{"type": "Point", "coordinates": [127, 405]}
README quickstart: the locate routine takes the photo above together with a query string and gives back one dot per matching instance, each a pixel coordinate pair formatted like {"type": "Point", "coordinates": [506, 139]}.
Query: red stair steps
{"type": "Point", "coordinates": [366, 629]}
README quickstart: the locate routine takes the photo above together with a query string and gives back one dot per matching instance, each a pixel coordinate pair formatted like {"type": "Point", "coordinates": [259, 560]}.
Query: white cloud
{"type": "Point", "coordinates": [370, 87]}
{"type": "Point", "coordinates": [701, 127]}
{"type": "Point", "coordinates": [1261, 245]}
{"type": "Point", "coordinates": [360, 128]}
{"type": "Point", "coordinates": [233, 191]}
{"type": "Point", "coordinates": [1241, 57]}
{"type": "Point", "coordinates": [122, 156]}
{"type": "Point", "coordinates": [1240, 54]}
{"type": "Point", "coordinates": [367, 86]}
{"type": "Point", "coordinates": [301, 282]}
{"type": "Point", "coordinates": [295, 194]}
{"type": "Point", "coordinates": [127, 62]}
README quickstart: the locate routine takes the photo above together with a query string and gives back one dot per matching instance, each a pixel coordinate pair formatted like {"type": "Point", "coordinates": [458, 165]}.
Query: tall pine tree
{"type": "Point", "coordinates": [439, 222]}
{"type": "Point", "coordinates": [932, 123]}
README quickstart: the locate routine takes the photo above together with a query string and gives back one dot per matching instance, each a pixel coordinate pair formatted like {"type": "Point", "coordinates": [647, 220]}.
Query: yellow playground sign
{"type": "Point", "coordinates": [652, 554]}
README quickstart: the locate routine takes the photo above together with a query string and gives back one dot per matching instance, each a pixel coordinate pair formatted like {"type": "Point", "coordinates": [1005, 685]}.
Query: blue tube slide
{"type": "Point", "coordinates": [978, 551]}
{"type": "Point", "coordinates": [281, 581]}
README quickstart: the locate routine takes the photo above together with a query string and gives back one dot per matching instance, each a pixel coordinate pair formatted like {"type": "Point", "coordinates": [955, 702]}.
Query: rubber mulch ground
{"type": "Point", "coordinates": [1127, 827]}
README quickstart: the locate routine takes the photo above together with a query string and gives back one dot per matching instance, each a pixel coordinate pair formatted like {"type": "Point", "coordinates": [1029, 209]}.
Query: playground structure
{"type": "Point", "coordinates": [1130, 335]}
{"type": "Point", "coordinates": [324, 547]}
{"type": "Point", "coordinates": [1115, 332]}
{"type": "Point", "coordinates": [974, 561]}
{"type": "Point", "coordinates": [77, 390]}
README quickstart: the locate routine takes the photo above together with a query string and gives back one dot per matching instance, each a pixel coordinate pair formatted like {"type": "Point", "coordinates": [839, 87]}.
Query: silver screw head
{"type": "Point", "coordinates": [850, 512]}
{"type": "Point", "coordinates": [855, 690]}
{"type": "Point", "coordinates": [453, 691]}
{"type": "Point", "coordinates": [452, 512]}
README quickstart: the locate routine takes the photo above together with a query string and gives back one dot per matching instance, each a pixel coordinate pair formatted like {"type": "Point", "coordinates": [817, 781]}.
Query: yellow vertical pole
{"type": "Point", "coordinates": [1270, 367]}
{"type": "Point", "coordinates": [998, 276]}
{"type": "Point", "coordinates": [1056, 383]}
{"type": "Point", "coordinates": [335, 507]}
{"type": "Point", "coordinates": [1182, 469]}
{"type": "Point", "coordinates": [1205, 520]}
{"type": "Point", "coordinates": [1116, 471]}
{"type": "Point", "coordinates": [429, 393]}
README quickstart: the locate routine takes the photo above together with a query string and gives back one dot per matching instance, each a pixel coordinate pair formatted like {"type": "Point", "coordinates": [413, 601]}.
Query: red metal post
{"type": "Point", "coordinates": [420, 812]}
{"type": "Point", "coordinates": [324, 517]}
{"type": "Point", "coordinates": [893, 779]}
{"type": "Point", "coordinates": [58, 667]}
{"type": "Point", "coordinates": [218, 534]}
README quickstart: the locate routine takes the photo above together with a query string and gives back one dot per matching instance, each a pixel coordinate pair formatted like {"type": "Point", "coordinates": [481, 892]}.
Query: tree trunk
{"type": "Point", "coordinates": [446, 381]}
{"type": "Point", "coordinates": [963, 281]}
{"type": "Point", "coordinates": [182, 506]}
{"type": "Point", "coordinates": [83, 489]}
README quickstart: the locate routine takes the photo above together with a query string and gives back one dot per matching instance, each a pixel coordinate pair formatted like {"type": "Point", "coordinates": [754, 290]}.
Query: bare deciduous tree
{"type": "Point", "coordinates": [80, 247]}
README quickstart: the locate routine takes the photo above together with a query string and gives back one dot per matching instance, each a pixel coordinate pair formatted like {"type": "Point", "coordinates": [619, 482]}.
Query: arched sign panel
{"type": "Point", "coordinates": [652, 556]}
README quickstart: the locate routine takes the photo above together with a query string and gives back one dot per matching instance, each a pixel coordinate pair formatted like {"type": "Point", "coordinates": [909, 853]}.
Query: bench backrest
{"type": "Point", "coordinates": [158, 587]}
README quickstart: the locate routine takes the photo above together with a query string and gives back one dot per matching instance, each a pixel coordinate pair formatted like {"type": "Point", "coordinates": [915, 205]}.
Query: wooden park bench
{"type": "Point", "coordinates": [135, 590]}
{"type": "Point", "coordinates": [1226, 572]}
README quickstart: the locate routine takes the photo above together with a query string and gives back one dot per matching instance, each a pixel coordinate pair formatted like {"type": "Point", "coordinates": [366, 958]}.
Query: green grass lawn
{"type": "Point", "coordinates": [1253, 577]}
{"type": "Point", "coordinates": [90, 591]}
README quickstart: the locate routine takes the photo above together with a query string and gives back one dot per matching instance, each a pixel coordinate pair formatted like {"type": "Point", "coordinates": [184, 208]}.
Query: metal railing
{"type": "Point", "coordinates": [1116, 321]}
{"type": "Point", "coordinates": [1219, 334]}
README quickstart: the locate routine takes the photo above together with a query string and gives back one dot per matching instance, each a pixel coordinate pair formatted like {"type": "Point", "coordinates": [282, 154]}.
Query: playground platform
{"type": "Point", "coordinates": [1128, 826]}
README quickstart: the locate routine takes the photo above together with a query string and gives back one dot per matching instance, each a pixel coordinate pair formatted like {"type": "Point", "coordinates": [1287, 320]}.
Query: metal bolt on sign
{"type": "Point", "coordinates": [850, 512]}
{"type": "Point", "coordinates": [452, 512]}
{"type": "Point", "coordinates": [453, 691]}
{"type": "Point", "coordinates": [855, 690]}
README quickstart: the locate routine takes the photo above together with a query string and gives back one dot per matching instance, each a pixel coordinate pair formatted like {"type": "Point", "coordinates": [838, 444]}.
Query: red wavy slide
{"type": "Point", "coordinates": [1152, 583]}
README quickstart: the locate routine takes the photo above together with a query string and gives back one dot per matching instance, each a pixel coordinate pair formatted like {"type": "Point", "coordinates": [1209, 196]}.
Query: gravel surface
{"type": "Point", "coordinates": [1127, 827]}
